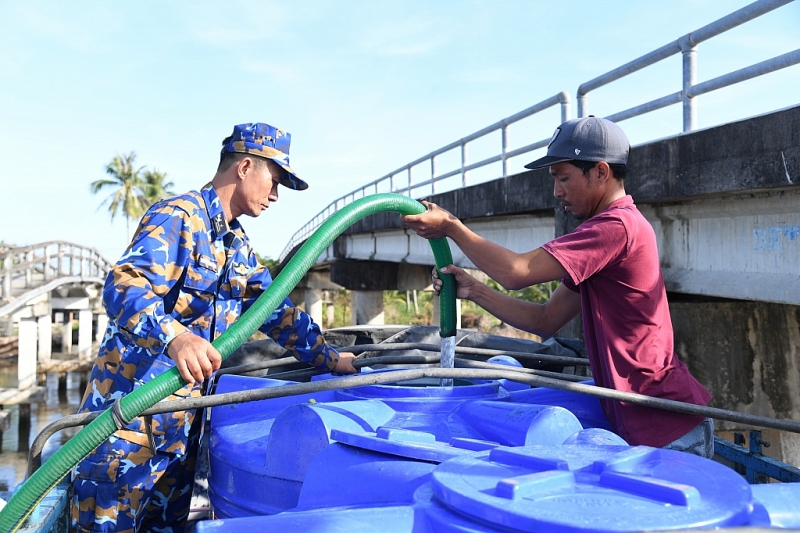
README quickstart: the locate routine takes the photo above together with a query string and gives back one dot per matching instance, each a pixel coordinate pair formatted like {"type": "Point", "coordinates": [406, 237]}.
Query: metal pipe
{"type": "Point", "coordinates": [630, 67]}
{"type": "Point", "coordinates": [463, 163]}
{"type": "Point", "coordinates": [689, 52]}
{"type": "Point", "coordinates": [724, 24]}
{"type": "Point", "coordinates": [740, 16]}
{"type": "Point", "coordinates": [566, 105]}
{"type": "Point", "coordinates": [504, 148]}
{"type": "Point", "coordinates": [529, 148]}
{"type": "Point", "coordinates": [465, 350]}
{"type": "Point", "coordinates": [307, 373]}
{"type": "Point", "coordinates": [433, 174]}
{"type": "Point", "coordinates": [562, 98]}
{"type": "Point", "coordinates": [395, 376]}
{"type": "Point", "coordinates": [252, 367]}
{"type": "Point", "coordinates": [81, 419]}
{"type": "Point", "coordinates": [776, 63]}
{"type": "Point", "coordinates": [652, 105]}
{"type": "Point", "coordinates": [468, 363]}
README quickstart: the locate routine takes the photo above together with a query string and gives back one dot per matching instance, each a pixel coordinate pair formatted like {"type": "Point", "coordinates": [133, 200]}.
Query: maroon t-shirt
{"type": "Point", "coordinates": [612, 261]}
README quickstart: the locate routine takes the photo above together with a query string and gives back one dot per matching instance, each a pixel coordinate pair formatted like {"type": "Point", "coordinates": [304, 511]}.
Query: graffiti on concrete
{"type": "Point", "coordinates": [773, 238]}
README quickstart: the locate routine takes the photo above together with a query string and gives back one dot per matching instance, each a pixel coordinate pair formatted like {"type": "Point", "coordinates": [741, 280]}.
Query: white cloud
{"type": "Point", "coordinates": [415, 35]}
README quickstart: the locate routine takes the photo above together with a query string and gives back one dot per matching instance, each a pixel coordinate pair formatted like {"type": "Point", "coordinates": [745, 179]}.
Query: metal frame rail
{"type": "Point", "coordinates": [686, 45]}
{"type": "Point", "coordinates": [751, 463]}
{"type": "Point", "coordinates": [520, 375]}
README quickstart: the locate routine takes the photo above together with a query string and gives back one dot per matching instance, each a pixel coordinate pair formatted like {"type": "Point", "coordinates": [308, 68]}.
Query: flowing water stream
{"type": "Point", "coordinates": [448, 358]}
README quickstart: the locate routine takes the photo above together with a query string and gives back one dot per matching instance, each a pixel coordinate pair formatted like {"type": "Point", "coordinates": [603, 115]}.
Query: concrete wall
{"type": "Point", "coordinates": [748, 355]}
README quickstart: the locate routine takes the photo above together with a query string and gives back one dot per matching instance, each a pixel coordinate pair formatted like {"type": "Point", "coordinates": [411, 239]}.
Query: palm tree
{"type": "Point", "coordinates": [128, 196]}
{"type": "Point", "coordinates": [155, 188]}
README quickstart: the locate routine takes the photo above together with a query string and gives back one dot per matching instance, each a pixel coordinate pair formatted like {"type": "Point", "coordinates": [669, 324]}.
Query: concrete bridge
{"type": "Point", "coordinates": [52, 280]}
{"type": "Point", "coordinates": [725, 204]}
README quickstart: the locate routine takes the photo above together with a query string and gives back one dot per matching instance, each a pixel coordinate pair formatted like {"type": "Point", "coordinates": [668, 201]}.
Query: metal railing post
{"type": "Point", "coordinates": [566, 105]}
{"type": "Point", "coordinates": [689, 51]}
{"type": "Point", "coordinates": [504, 143]}
{"type": "Point", "coordinates": [463, 164]}
{"type": "Point", "coordinates": [433, 174]}
{"type": "Point", "coordinates": [409, 182]}
{"type": "Point", "coordinates": [583, 105]}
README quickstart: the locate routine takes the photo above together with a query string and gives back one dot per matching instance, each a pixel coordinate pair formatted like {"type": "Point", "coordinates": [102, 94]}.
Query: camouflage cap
{"type": "Point", "coordinates": [266, 141]}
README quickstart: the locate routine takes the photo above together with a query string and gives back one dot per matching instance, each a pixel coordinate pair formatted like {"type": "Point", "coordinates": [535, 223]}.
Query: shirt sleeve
{"type": "Point", "coordinates": [591, 247]}
{"type": "Point", "coordinates": [136, 286]}
{"type": "Point", "coordinates": [289, 326]}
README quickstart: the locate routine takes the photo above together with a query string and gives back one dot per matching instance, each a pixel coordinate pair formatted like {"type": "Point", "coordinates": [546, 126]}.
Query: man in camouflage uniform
{"type": "Point", "coordinates": [188, 274]}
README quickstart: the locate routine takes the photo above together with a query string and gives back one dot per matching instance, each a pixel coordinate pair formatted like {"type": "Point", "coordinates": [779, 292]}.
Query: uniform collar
{"type": "Point", "coordinates": [219, 226]}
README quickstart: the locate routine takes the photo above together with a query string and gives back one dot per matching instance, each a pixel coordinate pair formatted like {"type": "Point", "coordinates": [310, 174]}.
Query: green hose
{"type": "Point", "coordinates": [67, 457]}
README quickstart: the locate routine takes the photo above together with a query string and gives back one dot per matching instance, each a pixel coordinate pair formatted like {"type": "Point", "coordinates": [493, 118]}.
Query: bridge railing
{"type": "Point", "coordinates": [687, 45]}
{"type": "Point", "coordinates": [25, 266]}
{"type": "Point", "coordinates": [392, 184]}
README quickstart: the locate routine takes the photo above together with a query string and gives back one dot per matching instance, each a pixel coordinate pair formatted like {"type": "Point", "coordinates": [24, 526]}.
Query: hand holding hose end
{"type": "Point", "coordinates": [465, 283]}
{"type": "Point", "coordinates": [433, 223]}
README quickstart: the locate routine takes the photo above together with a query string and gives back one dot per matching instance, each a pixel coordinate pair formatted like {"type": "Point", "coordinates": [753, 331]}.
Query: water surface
{"type": "Point", "coordinates": [14, 454]}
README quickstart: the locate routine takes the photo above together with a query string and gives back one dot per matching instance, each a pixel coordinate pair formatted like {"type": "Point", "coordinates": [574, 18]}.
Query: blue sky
{"type": "Point", "coordinates": [363, 87]}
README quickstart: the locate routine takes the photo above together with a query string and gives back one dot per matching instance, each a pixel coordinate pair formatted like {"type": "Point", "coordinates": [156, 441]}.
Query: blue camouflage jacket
{"type": "Point", "coordinates": [186, 270]}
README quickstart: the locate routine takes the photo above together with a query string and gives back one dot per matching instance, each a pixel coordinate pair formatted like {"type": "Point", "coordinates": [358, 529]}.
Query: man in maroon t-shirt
{"type": "Point", "coordinates": [610, 271]}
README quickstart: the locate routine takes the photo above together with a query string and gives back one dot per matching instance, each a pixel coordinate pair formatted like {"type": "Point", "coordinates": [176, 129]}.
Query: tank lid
{"type": "Point", "coordinates": [407, 443]}
{"type": "Point", "coordinates": [592, 488]}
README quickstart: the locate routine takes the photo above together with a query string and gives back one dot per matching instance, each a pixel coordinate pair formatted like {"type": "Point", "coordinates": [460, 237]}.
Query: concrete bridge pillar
{"type": "Point", "coordinates": [366, 308]}
{"type": "Point", "coordinates": [26, 360]}
{"type": "Point", "coordinates": [66, 332]}
{"type": "Point", "coordinates": [7, 265]}
{"type": "Point", "coordinates": [45, 326]}
{"type": "Point", "coordinates": [330, 314]}
{"type": "Point", "coordinates": [84, 333]}
{"type": "Point", "coordinates": [313, 300]}
{"type": "Point", "coordinates": [102, 325]}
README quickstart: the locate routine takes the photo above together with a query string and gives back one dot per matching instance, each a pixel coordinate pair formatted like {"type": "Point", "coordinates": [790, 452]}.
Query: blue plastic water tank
{"type": "Point", "coordinates": [535, 488]}
{"type": "Point", "coordinates": [587, 488]}
{"type": "Point", "coordinates": [260, 452]}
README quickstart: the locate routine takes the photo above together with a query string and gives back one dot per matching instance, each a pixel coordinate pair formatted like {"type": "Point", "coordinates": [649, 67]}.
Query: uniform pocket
{"type": "Point", "coordinates": [102, 482]}
{"type": "Point", "coordinates": [202, 275]}
{"type": "Point", "coordinates": [95, 496]}
{"type": "Point", "coordinates": [149, 368]}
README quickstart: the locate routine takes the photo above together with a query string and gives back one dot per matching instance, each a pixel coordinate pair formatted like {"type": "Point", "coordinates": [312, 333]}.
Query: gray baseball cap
{"type": "Point", "coordinates": [586, 139]}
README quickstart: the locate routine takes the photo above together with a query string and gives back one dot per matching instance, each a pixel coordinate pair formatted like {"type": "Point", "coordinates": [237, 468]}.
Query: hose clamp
{"type": "Point", "coordinates": [119, 419]}
{"type": "Point", "coordinates": [148, 425]}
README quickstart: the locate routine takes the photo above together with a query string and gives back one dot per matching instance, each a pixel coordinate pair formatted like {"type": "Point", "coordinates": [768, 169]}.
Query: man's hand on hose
{"type": "Point", "coordinates": [465, 283]}
{"type": "Point", "coordinates": [434, 223]}
{"type": "Point", "coordinates": [194, 356]}
{"type": "Point", "coordinates": [345, 364]}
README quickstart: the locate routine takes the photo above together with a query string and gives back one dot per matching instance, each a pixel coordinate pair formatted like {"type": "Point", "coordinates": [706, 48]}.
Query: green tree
{"type": "Point", "coordinates": [535, 293]}
{"type": "Point", "coordinates": [155, 187]}
{"type": "Point", "coordinates": [126, 182]}
{"type": "Point", "coordinates": [133, 189]}
{"type": "Point", "coordinates": [271, 264]}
